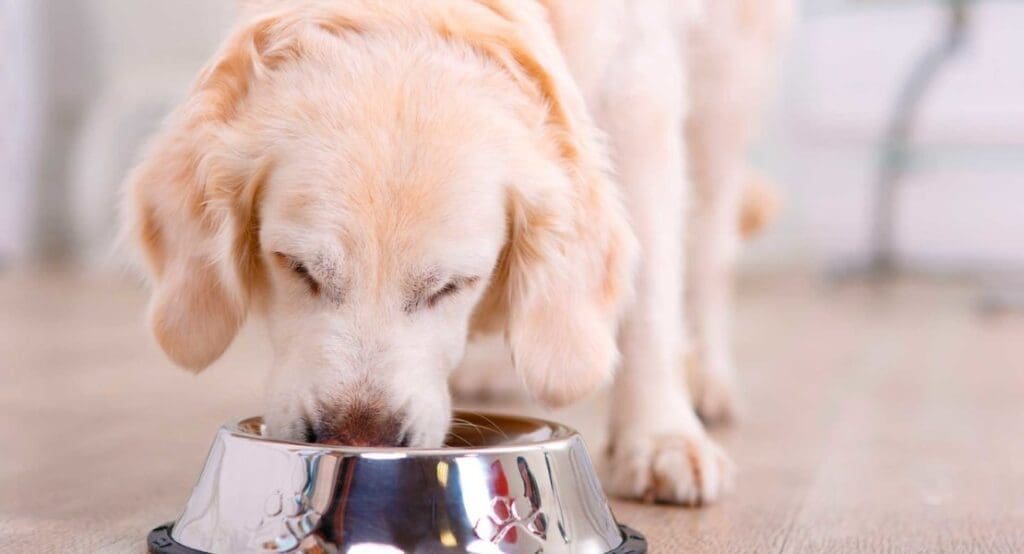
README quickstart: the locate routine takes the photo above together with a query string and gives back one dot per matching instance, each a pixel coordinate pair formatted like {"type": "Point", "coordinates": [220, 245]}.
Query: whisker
{"type": "Point", "coordinates": [494, 426]}
{"type": "Point", "coordinates": [456, 436]}
{"type": "Point", "coordinates": [472, 427]}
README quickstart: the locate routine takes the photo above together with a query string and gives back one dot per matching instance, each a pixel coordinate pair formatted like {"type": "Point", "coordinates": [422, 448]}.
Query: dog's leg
{"type": "Point", "coordinates": [716, 147]}
{"type": "Point", "coordinates": [731, 52]}
{"type": "Point", "coordinates": [658, 449]}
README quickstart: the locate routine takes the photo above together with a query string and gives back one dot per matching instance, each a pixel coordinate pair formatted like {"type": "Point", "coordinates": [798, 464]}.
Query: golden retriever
{"type": "Point", "coordinates": [382, 179]}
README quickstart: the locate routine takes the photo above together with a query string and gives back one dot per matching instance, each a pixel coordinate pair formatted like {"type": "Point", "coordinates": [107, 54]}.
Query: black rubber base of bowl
{"type": "Point", "coordinates": [634, 542]}
{"type": "Point", "coordinates": [160, 542]}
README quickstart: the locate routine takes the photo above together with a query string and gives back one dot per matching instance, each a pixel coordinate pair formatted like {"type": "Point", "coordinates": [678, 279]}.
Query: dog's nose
{"type": "Point", "coordinates": [361, 426]}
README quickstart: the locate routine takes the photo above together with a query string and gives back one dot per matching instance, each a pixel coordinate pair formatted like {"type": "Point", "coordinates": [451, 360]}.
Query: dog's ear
{"type": "Point", "coordinates": [566, 273]}
{"type": "Point", "coordinates": [567, 276]}
{"type": "Point", "coordinates": [192, 203]}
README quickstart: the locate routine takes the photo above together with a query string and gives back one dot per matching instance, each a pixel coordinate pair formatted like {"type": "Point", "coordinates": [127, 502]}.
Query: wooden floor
{"type": "Point", "coordinates": [883, 419]}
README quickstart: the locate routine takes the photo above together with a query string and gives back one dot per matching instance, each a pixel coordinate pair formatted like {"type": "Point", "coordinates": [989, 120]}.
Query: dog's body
{"type": "Point", "coordinates": [676, 88]}
{"type": "Point", "coordinates": [382, 179]}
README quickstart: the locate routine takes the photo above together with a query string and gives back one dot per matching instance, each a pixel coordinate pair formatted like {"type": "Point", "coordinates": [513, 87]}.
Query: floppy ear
{"type": "Point", "coordinates": [567, 271]}
{"type": "Point", "coordinates": [191, 206]}
{"type": "Point", "coordinates": [568, 277]}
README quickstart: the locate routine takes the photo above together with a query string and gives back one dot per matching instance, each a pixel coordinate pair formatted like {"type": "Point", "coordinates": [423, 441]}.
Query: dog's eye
{"type": "Point", "coordinates": [455, 286]}
{"type": "Point", "coordinates": [300, 270]}
{"type": "Point", "coordinates": [446, 291]}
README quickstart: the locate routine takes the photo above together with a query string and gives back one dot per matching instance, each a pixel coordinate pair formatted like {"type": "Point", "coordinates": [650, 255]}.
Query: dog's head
{"type": "Point", "coordinates": [378, 187]}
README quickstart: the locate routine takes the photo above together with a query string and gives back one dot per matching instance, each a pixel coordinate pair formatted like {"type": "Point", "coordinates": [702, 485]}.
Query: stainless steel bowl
{"type": "Point", "coordinates": [516, 485]}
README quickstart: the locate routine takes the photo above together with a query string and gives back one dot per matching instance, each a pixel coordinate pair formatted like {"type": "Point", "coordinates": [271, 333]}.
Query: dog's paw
{"type": "Point", "coordinates": [687, 469]}
{"type": "Point", "coordinates": [714, 392]}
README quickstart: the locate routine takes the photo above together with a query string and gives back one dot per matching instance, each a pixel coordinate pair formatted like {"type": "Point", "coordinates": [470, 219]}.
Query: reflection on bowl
{"type": "Point", "coordinates": [509, 484]}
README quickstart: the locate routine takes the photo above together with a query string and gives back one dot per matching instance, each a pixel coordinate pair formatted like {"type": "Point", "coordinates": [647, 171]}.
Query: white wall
{"type": "Point", "coordinates": [19, 83]}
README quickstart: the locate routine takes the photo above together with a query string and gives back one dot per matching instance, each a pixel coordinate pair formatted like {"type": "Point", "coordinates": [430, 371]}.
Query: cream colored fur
{"type": "Point", "coordinates": [382, 179]}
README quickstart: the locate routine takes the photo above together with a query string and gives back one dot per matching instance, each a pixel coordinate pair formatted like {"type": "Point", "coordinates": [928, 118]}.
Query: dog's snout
{"type": "Point", "coordinates": [366, 426]}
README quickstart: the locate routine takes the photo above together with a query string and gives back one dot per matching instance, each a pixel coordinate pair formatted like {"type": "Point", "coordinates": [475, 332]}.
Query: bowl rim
{"type": "Point", "coordinates": [562, 436]}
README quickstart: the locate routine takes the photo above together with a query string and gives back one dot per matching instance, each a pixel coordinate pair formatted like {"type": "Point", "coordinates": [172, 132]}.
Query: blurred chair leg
{"type": "Point", "coordinates": [882, 261]}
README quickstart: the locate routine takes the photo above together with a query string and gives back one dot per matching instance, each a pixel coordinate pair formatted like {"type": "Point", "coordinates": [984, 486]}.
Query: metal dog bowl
{"type": "Point", "coordinates": [517, 485]}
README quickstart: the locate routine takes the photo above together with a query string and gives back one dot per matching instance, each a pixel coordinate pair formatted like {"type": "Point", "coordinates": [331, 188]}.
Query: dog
{"type": "Point", "coordinates": [381, 180]}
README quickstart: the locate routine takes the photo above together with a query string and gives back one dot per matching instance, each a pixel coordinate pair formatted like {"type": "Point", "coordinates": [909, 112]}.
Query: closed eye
{"type": "Point", "coordinates": [300, 270]}
{"type": "Point", "coordinates": [450, 289]}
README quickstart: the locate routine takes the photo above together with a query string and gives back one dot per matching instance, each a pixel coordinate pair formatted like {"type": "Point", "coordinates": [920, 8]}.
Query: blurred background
{"type": "Point", "coordinates": [84, 81]}
{"type": "Point", "coordinates": [867, 350]}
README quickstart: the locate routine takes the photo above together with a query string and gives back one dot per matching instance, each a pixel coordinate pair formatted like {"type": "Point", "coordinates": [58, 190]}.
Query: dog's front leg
{"type": "Point", "coordinates": [658, 449]}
